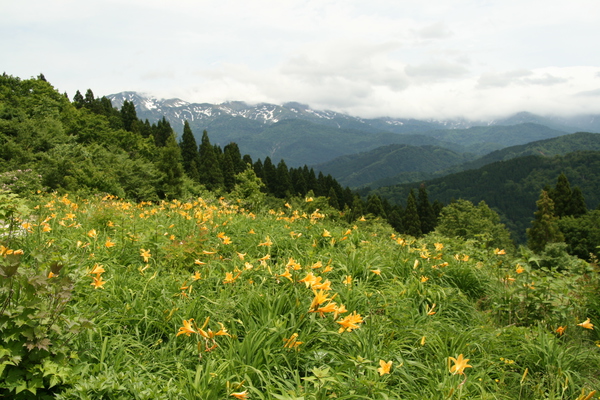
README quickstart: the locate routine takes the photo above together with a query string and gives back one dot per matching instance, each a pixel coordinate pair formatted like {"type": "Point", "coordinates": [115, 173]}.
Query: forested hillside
{"type": "Point", "coordinates": [390, 161]}
{"type": "Point", "coordinates": [511, 187]}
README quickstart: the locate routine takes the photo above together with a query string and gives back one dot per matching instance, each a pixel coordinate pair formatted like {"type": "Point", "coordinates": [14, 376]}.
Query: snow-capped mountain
{"type": "Point", "coordinates": [204, 116]}
{"type": "Point", "coordinates": [301, 135]}
{"type": "Point", "coordinates": [176, 111]}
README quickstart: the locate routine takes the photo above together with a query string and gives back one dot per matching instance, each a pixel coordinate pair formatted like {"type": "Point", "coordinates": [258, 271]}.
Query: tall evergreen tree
{"type": "Point", "coordinates": [233, 150]}
{"type": "Point", "coordinates": [78, 100]}
{"type": "Point", "coordinates": [228, 172]}
{"type": "Point", "coordinates": [561, 196]}
{"type": "Point", "coordinates": [146, 129]}
{"type": "Point", "coordinates": [544, 228]}
{"type": "Point", "coordinates": [170, 165]}
{"type": "Point", "coordinates": [358, 208]}
{"type": "Point", "coordinates": [411, 221]}
{"type": "Point", "coordinates": [311, 180]}
{"type": "Point", "coordinates": [270, 176]}
{"type": "Point", "coordinates": [425, 210]}
{"type": "Point", "coordinates": [209, 169]}
{"type": "Point", "coordinates": [189, 152]}
{"type": "Point", "coordinates": [285, 188]}
{"type": "Point", "coordinates": [578, 206]}
{"type": "Point", "coordinates": [333, 199]}
{"type": "Point", "coordinates": [128, 116]}
{"type": "Point", "coordinates": [395, 220]}
{"type": "Point", "coordinates": [299, 181]}
{"type": "Point", "coordinates": [247, 161]}
{"type": "Point", "coordinates": [375, 206]}
{"type": "Point", "coordinates": [259, 170]}
{"type": "Point", "coordinates": [162, 131]}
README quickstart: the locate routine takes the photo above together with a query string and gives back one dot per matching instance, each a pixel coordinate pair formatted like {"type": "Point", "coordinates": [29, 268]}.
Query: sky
{"type": "Point", "coordinates": [425, 59]}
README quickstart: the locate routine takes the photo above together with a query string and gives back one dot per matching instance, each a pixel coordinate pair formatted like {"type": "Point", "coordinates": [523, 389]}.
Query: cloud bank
{"type": "Point", "coordinates": [440, 59]}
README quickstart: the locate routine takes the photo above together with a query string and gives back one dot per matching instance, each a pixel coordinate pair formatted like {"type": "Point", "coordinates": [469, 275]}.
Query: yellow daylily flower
{"type": "Point", "coordinates": [586, 324]}
{"type": "Point", "coordinates": [384, 367]}
{"type": "Point", "coordinates": [98, 282]}
{"type": "Point", "coordinates": [97, 270]}
{"type": "Point", "coordinates": [196, 276]}
{"type": "Point", "coordinates": [187, 328]}
{"type": "Point", "coordinates": [287, 275]}
{"type": "Point", "coordinates": [267, 242]}
{"type": "Point", "coordinates": [350, 322]}
{"type": "Point", "coordinates": [145, 254]}
{"type": "Point", "coordinates": [291, 342]}
{"type": "Point", "coordinates": [459, 366]}
{"type": "Point", "coordinates": [320, 298]}
{"type": "Point", "coordinates": [240, 395]}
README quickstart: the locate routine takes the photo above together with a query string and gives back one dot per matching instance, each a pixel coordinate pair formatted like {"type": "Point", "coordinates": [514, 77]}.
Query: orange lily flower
{"type": "Point", "coordinates": [384, 367]}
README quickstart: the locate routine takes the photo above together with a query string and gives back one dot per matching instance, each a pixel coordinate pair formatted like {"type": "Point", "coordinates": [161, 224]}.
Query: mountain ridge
{"type": "Point", "coordinates": [177, 111]}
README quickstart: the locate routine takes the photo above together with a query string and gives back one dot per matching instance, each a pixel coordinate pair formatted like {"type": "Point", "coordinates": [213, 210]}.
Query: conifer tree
{"type": "Point", "coordinates": [321, 188]}
{"type": "Point", "coordinates": [78, 100]}
{"type": "Point", "coordinates": [233, 150]}
{"type": "Point", "coordinates": [209, 169]}
{"type": "Point", "coordinates": [411, 221]}
{"type": "Point", "coordinates": [375, 206]}
{"type": "Point", "coordinates": [347, 196]}
{"type": "Point", "coordinates": [284, 182]}
{"type": "Point", "coordinates": [270, 176]}
{"type": "Point", "coordinates": [311, 180]}
{"type": "Point", "coordinates": [299, 181]}
{"type": "Point", "coordinates": [259, 170]}
{"type": "Point", "coordinates": [146, 129]}
{"type": "Point", "coordinates": [247, 161]}
{"type": "Point", "coordinates": [189, 152]}
{"type": "Point", "coordinates": [425, 210]}
{"type": "Point", "coordinates": [358, 208]}
{"type": "Point", "coordinates": [395, 220]}
{"type": "Point", "coordinates": [578, 206]}
{"type": "Point", "coordinates": [228, 172]}
{"type": "Point", "coordinates": [170, 165]}
{"type": "Point", "coordinates": [162, 131]}
{"type": "Point", "coordinates": [128, 116]}
{"type": "Point", "coordinates": [561, 196]}
{"type": "Point", "coordinates": [333, 199]}
{"type": "Point", "coordinates": [544, 228]}
{"type": "Point", "coordinates": [89, 99]}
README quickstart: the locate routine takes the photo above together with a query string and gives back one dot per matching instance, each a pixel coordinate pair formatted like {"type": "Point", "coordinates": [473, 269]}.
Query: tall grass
{"type": "Point", "coordinates": [254, 277]}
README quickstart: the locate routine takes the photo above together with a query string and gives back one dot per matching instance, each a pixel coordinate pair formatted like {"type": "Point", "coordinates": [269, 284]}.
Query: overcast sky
{"type": "Point", "coordinates": [399, 58]}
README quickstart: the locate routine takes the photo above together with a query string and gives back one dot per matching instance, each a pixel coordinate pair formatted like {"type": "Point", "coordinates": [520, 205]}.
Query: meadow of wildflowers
{"type": "Point", "coordinates": [102, 298]}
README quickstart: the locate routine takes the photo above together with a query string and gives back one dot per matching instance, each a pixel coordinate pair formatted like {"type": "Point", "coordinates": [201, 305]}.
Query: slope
{"type": "Point", "coordinates": [387, 161]}
{"type": "Point", "coordinates": [511, 187]}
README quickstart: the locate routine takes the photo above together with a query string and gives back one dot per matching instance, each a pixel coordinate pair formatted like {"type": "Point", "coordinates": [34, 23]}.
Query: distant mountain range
{"type": "Point", "coordinates": [300, 135]}
{"type": "Point", "coordinates": [399, 164]}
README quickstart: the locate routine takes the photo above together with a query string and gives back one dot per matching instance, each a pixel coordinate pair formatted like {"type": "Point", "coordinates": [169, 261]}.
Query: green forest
{"type": "Point", "coordinates": [136, 264]}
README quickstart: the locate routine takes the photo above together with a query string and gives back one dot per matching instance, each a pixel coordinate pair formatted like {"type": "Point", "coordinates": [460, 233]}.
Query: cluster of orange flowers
{"type": "Point", "coordinates": [97, 272]}
{"type": "Point", "coordinates": [189, 327]}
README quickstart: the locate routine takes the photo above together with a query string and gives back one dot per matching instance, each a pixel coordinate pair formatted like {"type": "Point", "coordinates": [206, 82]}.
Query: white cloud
{"type": "Point", "coordinates": [433, 59]}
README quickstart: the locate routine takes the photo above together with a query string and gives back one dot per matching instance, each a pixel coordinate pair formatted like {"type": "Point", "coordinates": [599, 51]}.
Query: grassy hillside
{"type": "Point", "coordinates": [123, 278]}
{"type": "Point", "coordinates": [206, 300]}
